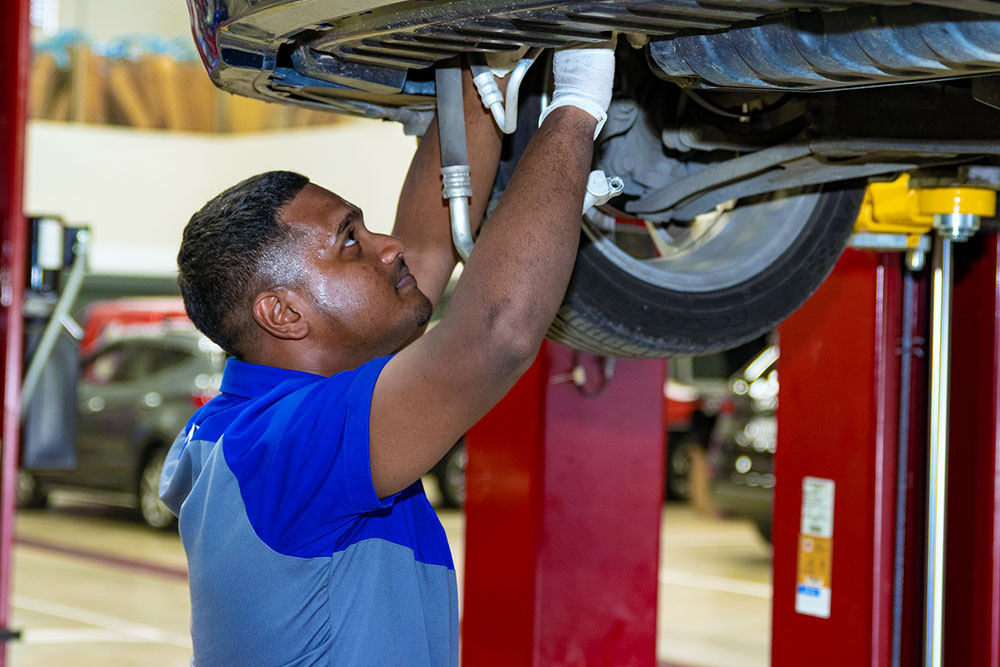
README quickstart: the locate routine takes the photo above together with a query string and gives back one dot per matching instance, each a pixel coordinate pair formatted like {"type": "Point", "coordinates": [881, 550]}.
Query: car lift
{"type": "Point", "coordinates": [565, 482]}
{"type": "Point", "coordinates": [887, 540]}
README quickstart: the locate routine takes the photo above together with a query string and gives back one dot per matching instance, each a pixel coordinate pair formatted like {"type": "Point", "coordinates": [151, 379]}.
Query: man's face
{"type": "Point", "coordinates": [362, 294]}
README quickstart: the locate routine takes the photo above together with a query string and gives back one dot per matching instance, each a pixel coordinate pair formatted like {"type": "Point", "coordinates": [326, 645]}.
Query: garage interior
{"type": "Point", "coordinates": [607, 512]}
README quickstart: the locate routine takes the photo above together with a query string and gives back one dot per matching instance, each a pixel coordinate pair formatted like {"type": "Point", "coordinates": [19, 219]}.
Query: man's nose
{"type": "Point", "coordinates": [391, 248]}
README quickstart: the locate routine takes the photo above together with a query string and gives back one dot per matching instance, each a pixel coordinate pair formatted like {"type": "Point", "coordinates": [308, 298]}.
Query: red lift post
{"type": "Point", "coordinates": [565, 487]}
{"type": "Point", "coordinates": [972, 562]}
{"type": "Point", "coordinates": [15, 54]}
{"type": "Point", "coordinates": [838, 420]}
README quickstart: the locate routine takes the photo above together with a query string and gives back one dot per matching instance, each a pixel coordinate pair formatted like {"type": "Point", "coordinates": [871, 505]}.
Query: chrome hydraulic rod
{"type": "Point", "coordinates": [938, 459]}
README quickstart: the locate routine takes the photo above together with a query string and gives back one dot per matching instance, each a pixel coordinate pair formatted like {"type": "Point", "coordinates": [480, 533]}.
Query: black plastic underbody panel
{"type": "Point", "coordinates": [372, 57]}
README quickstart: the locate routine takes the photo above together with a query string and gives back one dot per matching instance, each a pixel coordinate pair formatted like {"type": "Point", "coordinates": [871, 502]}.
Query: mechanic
{"type": "Point", "coordinates": [307, 533]}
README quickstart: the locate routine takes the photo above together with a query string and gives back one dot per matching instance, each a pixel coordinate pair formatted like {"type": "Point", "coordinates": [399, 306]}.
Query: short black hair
{"type": "Point", "coordinates": [229, 252]}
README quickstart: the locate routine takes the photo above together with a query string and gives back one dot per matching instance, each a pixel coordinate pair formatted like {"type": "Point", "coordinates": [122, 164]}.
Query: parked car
{"type": "Point", "coordinates": [741, 455]}
{"type": "Point", "coordinates": [744, 130]}
{"type": "Point", "coordinates": [135, 394]}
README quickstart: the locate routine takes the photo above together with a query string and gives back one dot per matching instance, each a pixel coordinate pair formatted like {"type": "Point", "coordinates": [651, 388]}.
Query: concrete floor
{"type": "Point", "coordinates": [94, 587]}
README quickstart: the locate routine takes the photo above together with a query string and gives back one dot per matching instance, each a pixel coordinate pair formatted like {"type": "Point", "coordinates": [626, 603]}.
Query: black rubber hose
{"type": "Point", "coordinates": [451, 113]}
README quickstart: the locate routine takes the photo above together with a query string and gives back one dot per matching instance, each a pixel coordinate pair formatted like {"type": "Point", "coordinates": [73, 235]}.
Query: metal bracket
{"type": "Point", "coordinates": [601, 188]}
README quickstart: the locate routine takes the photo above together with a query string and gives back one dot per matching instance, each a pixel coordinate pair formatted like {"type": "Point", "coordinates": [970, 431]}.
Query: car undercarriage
{"type": "Point", "coordinates": [744, 131]}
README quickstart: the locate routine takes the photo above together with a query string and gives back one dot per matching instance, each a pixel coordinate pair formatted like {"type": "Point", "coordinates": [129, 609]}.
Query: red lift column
{"type": "Point", "coordinates": [565, 488]}
{"type": "Point", "coordinates": [15, 54]}
{"type": "Point", "coordinates": [972, 558]}
{"type": "Point", "coordinates": [836, 459]}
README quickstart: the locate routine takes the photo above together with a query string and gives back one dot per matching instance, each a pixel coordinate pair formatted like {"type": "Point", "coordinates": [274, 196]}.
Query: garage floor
{"type": "Point", "coordinates": [94, 587]}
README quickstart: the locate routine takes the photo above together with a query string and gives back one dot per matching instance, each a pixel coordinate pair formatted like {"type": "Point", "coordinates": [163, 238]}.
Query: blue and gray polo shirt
{"type": "Point", "coordinates": [292, 558]}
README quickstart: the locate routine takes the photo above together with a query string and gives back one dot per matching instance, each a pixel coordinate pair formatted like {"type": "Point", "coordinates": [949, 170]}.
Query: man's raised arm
{"type": "Point", "coordinates": [422, 221]}
{"type": "Point", "coordinates": [512, 285]}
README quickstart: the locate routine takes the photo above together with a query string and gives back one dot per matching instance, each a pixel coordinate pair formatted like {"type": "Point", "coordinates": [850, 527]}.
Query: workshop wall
{"type": "Point", "coordinates": [137, 189]}
{"type": "Point", "coordinates": [107, 19]}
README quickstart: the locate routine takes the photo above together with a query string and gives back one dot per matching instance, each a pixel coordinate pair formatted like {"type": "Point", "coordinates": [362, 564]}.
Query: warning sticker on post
{"type": "Point", "coordinates": [815, 562]}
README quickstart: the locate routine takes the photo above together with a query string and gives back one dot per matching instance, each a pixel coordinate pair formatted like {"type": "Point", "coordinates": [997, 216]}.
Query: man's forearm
{"type": "Point", "coordinates": [422, 220]}
{"type": "Point", "coordinates": [515, 279]}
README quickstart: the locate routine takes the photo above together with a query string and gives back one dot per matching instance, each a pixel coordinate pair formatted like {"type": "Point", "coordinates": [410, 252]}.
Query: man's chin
{"type": "Point", "coordinates": [425, 311]}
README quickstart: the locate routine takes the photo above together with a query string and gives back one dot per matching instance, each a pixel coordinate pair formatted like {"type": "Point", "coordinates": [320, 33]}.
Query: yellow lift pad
{"type": "Point", "coordinates": [896, 208]}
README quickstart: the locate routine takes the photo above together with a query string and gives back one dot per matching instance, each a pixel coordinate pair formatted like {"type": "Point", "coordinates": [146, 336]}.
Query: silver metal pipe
{"type": "Point", "coordinates": [461, 226]}
{"type": "Point", "coordinates": [938, 459]}
{"type": "Point", "coordinates": [456, 180]}
{"type": "Point", "coordinates": [65, 302]}
{"type": "Point", "coordinates": [513, 88]}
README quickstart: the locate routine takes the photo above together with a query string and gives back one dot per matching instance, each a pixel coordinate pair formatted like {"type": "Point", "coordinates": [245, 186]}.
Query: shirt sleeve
{"type": "Point", "coordinates": [303, 466]}
{"type": "Point", "coordinates": [357, 440]}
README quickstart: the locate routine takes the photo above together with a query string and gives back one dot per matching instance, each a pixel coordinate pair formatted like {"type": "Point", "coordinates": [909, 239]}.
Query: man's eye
{"type": "Point", "coordinates": [350, 239]}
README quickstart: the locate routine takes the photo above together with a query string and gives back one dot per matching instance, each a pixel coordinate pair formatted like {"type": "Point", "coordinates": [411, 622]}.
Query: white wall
{"type": "Point", "coordinates": [105, 20]}
{"type": "Point", "coordinates": [136, 189]}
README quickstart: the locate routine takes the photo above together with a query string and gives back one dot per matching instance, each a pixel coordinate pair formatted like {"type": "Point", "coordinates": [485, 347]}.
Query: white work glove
{"type": "Point", "coordinates": [583, 79]}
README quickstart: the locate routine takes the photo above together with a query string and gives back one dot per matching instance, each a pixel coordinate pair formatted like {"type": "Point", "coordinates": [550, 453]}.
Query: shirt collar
{"type": "Point", "coordinates": [242, 378]}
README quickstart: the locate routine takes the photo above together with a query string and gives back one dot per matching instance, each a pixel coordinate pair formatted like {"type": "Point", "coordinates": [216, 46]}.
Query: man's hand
{"type": "Point", "coordinates": [583, 78]}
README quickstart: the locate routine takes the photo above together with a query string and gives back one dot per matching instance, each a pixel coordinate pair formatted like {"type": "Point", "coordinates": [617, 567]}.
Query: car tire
{"type": "Point", "coordinates": [611, 311]}
{"type": "Point", "coordinates": [152, 510]}
{"type": "Point", "coordinates": [450, 474]}
{"type": "Point", "coordinates": [773, 253]}
{"type": "Point", "coordinates": [30, 492]}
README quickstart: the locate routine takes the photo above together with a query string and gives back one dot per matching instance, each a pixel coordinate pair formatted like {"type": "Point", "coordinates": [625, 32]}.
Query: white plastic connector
{"type": "Point", "coordinates": [601, 188]}
{"type": "Point", "coordinates": [504, 112]}
{"type": "Point", "coordinates": [489, 93]}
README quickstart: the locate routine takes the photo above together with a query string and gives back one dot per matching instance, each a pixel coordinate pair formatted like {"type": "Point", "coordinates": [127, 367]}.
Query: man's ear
{"type": "Point", "coordinates": [279, 312]}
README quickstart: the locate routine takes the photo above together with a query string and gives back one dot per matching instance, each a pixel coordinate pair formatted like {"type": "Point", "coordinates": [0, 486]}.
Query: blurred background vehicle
{"type": "Point", "coordinates": [742, 446]}
{"type": "Point", "coordinates": [695, 392]}
{"type": "Point", "coordinates": [144, 370]}
{"type": "Point", "coordinates": [692, 395]}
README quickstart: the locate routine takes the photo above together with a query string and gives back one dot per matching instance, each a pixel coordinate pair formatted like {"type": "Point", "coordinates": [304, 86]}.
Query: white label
{"type": "Point", "coordinates": [812, 601]}
{"type": "Point", "coordinates": [817, 507]}
{"type": "Point", "coordinates": [813, 589]}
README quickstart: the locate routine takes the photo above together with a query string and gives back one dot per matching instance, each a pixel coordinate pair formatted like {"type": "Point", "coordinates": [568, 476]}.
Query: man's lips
{"type": "Point", "coordinates": [406, 278]}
